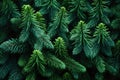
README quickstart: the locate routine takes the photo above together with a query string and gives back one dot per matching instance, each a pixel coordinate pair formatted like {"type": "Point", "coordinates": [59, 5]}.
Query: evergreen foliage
{"type": "Point", "coordinates": [78, 9]}
{"type": "Point", "coordinates": [99, 13]}
{"type": "Point", "coordinates": [13, 46]}
{"type": "Point", "coordinates": [60, 47]}
{"type": "Point", "coordinates": [55, 62]}
{"type": "Point", "coordinates": [103, 40]}
{"type": "Point", "coordinates": [8, 10]}
{"type": "Point", "coordinates": [49, 7]}
{"type": "Point", "coordinates": [62, 53]}
{"type": "Point", "coordinates": [35, 61]}
{"type": "Point", "coordinates": [31, 27]}
{"type": "Point", "coordinates": [60, 25]}
{"type": "Point", "coordinates": [82, 39]}
{"type": "Point", "coordinates": [100, 64]}
{"type": "Point", "coordinates": [59, 40]}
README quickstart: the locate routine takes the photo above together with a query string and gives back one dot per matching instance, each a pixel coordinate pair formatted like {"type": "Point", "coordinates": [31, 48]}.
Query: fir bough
{"type": "Point", "coordinates": [60, 25]}
{"type": "Point", "coordinates": [99, 13]}
{"type": "Point", "coordinates": [103, 40]}
{"type": "Point", "coordinates": [36, 42]}
{"type": "Point", "coordinates": [32, 27]}
{"type": "Point", "coordinates": [82, 40]}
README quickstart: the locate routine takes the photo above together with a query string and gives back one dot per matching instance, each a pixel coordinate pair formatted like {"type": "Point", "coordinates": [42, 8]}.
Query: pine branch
{"type": "Point", "coordinates": [50, 7]}
{"type": "Point", "coordinates": [35, 61]}
{"type": "Point", "coordinates": [60, 25]}
{"type": "Point", "coordinates": [103, 40]}
{"type": "Point", "coordinates": [8, 10]}
{"type": "Point", "coordinates": [28, 20]}
{"type": "Point", "coordinates": [54, 62]}
{"type": "Point", "coordinates": [82, 40]}
{"type": "Point", "coordinates": [60, 48]}
{"type": "Point", "coordinates": [41, 20]}
{"type": "Point", "coordinates": [13, 46]}
{"type": "Point", "coordinates": [32, 28]}
{"type": "Point", "coordinates": [74, 66]}
{"type": "Point", "coordinates": [78, 9]}
{"type": "Point", "coordinates": [99, 13]}
{"type": "Point", "coordinates": [42, 40]}
{"type": "Point", "coordinates": [61, 51]}
{"type": "Point", "coordinates": [100, 64]}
